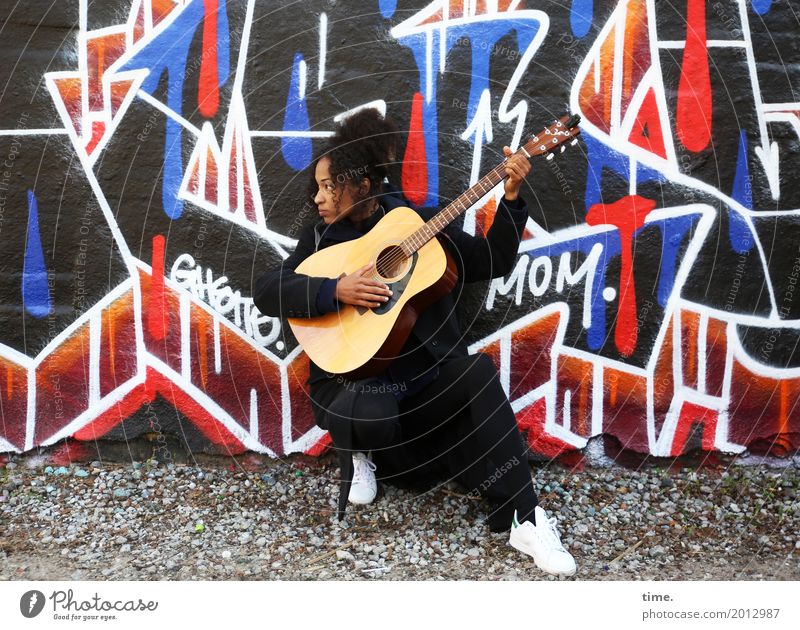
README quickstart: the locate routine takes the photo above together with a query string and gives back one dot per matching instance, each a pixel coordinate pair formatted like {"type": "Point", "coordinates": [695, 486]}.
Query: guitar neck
{"type": "Point", "coordinates": [454, 209]}
{"type": "Point", "coordinates": [544, 143]}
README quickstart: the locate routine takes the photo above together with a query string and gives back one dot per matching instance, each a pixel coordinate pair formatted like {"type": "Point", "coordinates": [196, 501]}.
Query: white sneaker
{"type": "Point", "coordinates": [364, 487]}
{"type": "Point", "coordinates": [543, 543]}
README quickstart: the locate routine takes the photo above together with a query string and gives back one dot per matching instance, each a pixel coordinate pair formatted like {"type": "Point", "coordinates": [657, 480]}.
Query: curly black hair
{"type": "Point", "coordinates": [369, 123]}
{"type": "Point", "coordinates": [364, 145]}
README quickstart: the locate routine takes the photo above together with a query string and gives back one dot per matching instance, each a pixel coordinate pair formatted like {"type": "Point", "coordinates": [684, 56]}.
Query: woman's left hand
{"type": "Point", "coordinates": [517, 169]}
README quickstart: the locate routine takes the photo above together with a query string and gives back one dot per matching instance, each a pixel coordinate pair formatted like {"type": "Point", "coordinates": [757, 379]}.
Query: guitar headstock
{"type": "Point", "coordinates": [551, 138]}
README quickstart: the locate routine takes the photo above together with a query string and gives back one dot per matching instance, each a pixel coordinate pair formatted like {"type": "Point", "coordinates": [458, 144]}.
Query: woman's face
{"type": "Point", "coordinates": [333, 198]}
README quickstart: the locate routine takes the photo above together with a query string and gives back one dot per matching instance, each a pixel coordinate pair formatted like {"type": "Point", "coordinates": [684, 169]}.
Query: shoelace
{"type": "Point", "coordinates": [553, 531]}
{"type": "Point", "coordinates": [359, 474]}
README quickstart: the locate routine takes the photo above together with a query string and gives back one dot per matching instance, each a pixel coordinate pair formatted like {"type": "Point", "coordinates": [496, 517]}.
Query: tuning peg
{"type": "Point", "coordinates": [550, 156]}
{"type": "Point", "coordinates": [574, 142]}
{"type": "Point", "coordinates": [563, 148]}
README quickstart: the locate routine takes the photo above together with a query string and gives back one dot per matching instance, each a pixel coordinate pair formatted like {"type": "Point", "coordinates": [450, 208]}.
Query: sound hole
{"type": "Point", "coordinates": [391, 262]}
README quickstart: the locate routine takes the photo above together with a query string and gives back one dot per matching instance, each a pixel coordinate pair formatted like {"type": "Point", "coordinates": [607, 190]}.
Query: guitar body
{"type": "Point", "coordinates": [358, 342]}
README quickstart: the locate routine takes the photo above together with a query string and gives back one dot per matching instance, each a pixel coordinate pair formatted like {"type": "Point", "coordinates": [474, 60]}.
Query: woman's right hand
{"type": "Point", "coordinates": [359, 289]}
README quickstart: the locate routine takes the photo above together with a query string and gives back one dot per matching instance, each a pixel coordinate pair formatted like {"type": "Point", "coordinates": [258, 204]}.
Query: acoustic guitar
{"type": "Point", "coordinates": [407, 255]}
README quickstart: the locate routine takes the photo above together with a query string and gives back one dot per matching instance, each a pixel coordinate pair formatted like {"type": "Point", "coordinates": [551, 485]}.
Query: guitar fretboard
{"type": "Point", "coordinates": [453, 210]}
{"type": "Point", "coordinates": [545, 142]}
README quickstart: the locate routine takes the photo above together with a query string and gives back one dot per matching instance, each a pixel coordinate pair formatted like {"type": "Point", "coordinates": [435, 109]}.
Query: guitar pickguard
{"type": "Point", "coordinates": [398, 288]}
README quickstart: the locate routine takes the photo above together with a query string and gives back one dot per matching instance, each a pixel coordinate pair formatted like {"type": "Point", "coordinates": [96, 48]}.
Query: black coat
{"type": "Point", "coordinates": [283, 293]}
{"type": "Point", "coordinates": [436, 337]}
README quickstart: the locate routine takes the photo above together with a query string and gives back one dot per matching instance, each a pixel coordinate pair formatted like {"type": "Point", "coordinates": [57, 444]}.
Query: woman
{"type": "Point", "coordinates": [437, 413]}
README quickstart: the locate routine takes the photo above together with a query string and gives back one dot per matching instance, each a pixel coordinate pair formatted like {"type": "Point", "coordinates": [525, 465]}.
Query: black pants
{"type": "Point", "coordinates": [461, 426]}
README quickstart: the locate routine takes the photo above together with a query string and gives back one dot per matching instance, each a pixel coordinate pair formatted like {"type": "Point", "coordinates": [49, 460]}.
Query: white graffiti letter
{"type": "Point", "coordinates": [499, 286]}
{"type": "Point", "coordinates": [586, 269]}
{"type": "Point", "coordinates": [538, 289]}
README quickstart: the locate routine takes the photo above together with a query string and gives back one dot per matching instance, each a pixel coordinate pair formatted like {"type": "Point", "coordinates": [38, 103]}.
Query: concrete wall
{"type": "Point", "coordinates": [153, 157]}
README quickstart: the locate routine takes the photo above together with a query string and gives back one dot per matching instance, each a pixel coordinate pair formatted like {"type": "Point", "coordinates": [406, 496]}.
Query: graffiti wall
{"type": "Point", "coordinates": [154, 156]}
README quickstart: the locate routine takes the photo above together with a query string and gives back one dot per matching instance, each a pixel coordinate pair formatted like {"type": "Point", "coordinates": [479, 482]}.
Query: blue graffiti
{"type": "Point", "coordinates": [580, 16]}
{"type": "Point", "coordinates": [168, 53]}
{"type": "Point", "coordinates": [481, 36]}
{"type": "Point", "coordinates": [35, 292]}
{"type": "Point", "coordinates": [673, 235]}
{"type": "Point", "coordinates": [762, 6]}
{"type": "Point", "coordinates": [296, 150]}
{"type": "Point", "coordinates": [387, 7]}
{"type": "Point", "coordinates": [741, 237]}
{"type": "Point", "coordinates": [610, 247]}
{"type": "Point", "coordinates": [602, 156]}
{"type": "Point", "coordinates": [673, 232]}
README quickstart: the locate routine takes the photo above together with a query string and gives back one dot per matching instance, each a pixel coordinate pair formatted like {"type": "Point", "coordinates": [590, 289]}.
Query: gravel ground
{"type": "Point", "coordinates": [256, 518]}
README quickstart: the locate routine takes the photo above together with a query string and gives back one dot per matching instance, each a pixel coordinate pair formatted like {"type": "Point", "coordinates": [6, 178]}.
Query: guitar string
{"type": "Point", "coordinates": [397, 256]}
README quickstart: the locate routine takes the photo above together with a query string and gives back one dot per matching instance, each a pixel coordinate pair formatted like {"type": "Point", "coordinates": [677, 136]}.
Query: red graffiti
{"type": "Point", "coordinates": [156, 383]}
{"type": "Point", "coordinates": [694, 418]}
{"type": "Point", "coordinates": [414, 176]}
{"type": "Point", "coordinates": [627, 215]}
{"type": "Point", "coordinates": [208, 85]}
{"type": "Point", "coordinates": [646, 131]}
{"type": "Point", "coordinates": [531, 420]}
{"type": "Point", "coordinates": [98, 129]}
{"type": "Point", "coordinates": [694, 88]}
{"type": "Point", "coordinates": [156, 315]}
